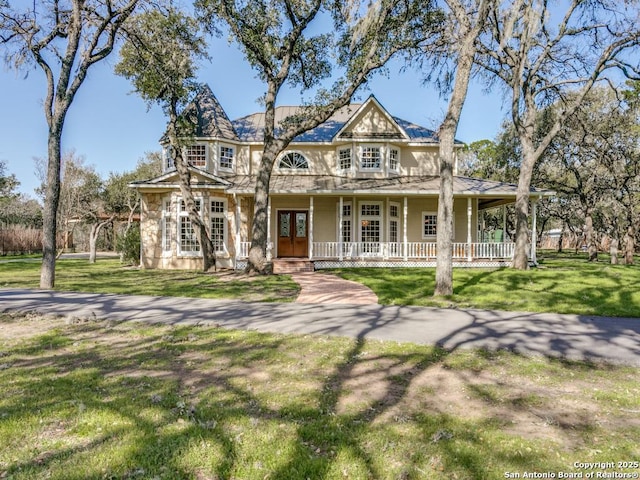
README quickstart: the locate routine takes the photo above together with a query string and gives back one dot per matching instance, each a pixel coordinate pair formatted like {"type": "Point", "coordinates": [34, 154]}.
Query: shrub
{"type": "Point", "coordinates": [128, 246]}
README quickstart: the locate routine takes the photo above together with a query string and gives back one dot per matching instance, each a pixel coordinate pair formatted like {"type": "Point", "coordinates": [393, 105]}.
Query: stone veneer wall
{"type": "Point", "coordinates": [152, 255]}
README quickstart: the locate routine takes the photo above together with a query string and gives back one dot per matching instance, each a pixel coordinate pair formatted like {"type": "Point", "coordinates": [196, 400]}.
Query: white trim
{"type": "Point", "coordinates": [371, 217]}
{"type": "Point", "coordinates": [166, 246]}
{"type": "Point", "coordinates": [291, 170]}
{"type": "Point", "coordinates": [405, 213]}
{"type": "Point", "coordinates": [361, 109]}
{"type": "Point", "coordinates": [179, 216]}
{"type": "Point", "coordinates": [352, 168]}
{"type": "Point", "coordinates": [207, 155]}
{"type": "Point", "coordinates": [422, 217]}
{"type": "Point", "coordinates": [225, 216]}
{"type": "Point", "coordinates": [391, 217]}
{"type": "Point", "coordinates": [391, 148]}
{"type": "Point", "coordinates": [310, 228]}
{"type": "Point", "coordinates": [381, 151]}
{"type": "Point", "coordinates": [234, 157]}
{"type": "Point", "coordinates": [469, 218]}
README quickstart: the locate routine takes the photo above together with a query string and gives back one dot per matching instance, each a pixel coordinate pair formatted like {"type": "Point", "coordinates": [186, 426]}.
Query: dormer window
{"type": "Point", "coordinates": [370, 158]}
{"type": "Point", "coordinates": [293, 161]}
{"type": "Point", "coordinates": [344, 159]}
{"type": "Point", "coordinates": [225, 159]}
{"type": "Point", "coordinates": [394, 159]}
{"type": "Point", "coordinates": [197, 155]}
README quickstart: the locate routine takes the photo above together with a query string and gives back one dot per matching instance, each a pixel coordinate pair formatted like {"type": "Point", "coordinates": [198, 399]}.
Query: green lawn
{"type": "Point", "coordinates": [562, 284]}
{"type": "Point", "coordinates": [99, 400]}
{"type": "Point", "coordinates": [109, 276]}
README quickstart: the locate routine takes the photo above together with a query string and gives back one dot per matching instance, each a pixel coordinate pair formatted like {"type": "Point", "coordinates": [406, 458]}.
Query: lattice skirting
{"type": "Point", "coordinates": [323, 264]}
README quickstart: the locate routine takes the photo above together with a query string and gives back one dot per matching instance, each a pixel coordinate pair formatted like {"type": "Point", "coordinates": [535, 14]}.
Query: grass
{"type": "Point", "coordinates": [109, 276]}
{"type": "Point", "coordinates": [562, 284]}
{"type": "Point", "coordinates": [100, 400]}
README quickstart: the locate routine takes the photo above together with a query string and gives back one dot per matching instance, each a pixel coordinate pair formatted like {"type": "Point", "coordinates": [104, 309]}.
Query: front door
{"type": "Point", "coordinates": [293, 232]}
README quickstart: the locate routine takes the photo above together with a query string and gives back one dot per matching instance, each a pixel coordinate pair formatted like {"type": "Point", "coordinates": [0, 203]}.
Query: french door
{"type": "Point", "coordinates": [293, 233]}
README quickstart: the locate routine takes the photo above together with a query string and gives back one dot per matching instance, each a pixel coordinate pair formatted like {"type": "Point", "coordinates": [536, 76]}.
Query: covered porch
{"type": "Point", "coordinates": [341, 231]}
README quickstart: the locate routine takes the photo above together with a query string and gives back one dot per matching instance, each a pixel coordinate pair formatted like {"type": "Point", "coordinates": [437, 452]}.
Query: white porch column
{"type": "Point", "coordinates": [405, 245]}
{"type": "Point", "coordinates": [534, 226]}
{"type": "Point", "coordinates": [340, 227]}
{"type": "Point", "coordinates": [469, 236]}
{"type": "Point", "coordinates": [504, 223]}
{"type": "Point", "coordinates": [237, 229]}
{"type": "Point", "coordinates": [310, 228]}
{"type": "Point", "coordinates": [269, 246]}
{"type": "Point", "coordinates": [385, 218]}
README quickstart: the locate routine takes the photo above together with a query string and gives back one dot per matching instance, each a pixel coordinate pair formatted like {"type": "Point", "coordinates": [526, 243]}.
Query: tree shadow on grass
{"type": "Point", "coordinates": [212, 387]}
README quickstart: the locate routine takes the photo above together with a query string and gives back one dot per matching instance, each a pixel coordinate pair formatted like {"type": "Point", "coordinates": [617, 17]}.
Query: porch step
{"type": "Point", "coordinates": [292, 265]}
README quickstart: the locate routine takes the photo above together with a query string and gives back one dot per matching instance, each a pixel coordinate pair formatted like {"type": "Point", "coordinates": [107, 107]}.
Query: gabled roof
{"type": "Point", "coordinates": [211, 121]}
{"type": "Point", "coordinates": [200, 178]}
{"type": "Point", "coordinates": [371, 104]}
{"type": "Point", "coordinates": [251, 127]}
{"type": "Point", "coordinates": [209, 116]}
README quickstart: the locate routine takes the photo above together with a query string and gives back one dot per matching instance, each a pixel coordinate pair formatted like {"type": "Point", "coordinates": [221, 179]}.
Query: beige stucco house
{"type": "Point", "coordinates": [359, 190]}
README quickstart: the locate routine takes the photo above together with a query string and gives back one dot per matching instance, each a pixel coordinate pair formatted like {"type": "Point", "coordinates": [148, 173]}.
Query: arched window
{"type": "Point", "coordinates": [293, 160]}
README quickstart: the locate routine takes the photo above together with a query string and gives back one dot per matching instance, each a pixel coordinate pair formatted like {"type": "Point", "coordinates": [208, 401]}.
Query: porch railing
{"type": "Point", "coordinates": [396, 250]}
{"type": "Point", "coordinates": [414, 250]}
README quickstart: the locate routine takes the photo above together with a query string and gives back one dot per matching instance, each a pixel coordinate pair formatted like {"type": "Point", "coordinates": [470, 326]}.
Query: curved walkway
{"type": "Point", "coordinates": [578, 337]}
{"type": "Point", "coordinates": [326, 288]}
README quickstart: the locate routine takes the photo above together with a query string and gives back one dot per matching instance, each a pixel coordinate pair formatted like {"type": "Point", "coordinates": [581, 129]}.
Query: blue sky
{"type": "Point", "coordinates": [113, 128]}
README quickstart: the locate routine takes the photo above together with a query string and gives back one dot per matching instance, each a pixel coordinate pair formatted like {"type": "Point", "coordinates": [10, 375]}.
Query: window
{"type": "Point", "coordinates": [167, 158]}
{"type": "Point", "coordinates": [370, 158]}
{"type": "Point", "coordinates": [347, 227]}
{"type": "Point", "coordinates": [218, 225]}
{"type": "Point", "coordinates": [346, 222]}
{"type": "Point", "coordinates": [166, 226]}
{"type": "Point", "coordinates": [394, 159]}
{"type": "Point", "coordinates": [188, 244]}
{"type": "Point", "coordinates": [344, 159]}
{"type": "Point", "coordinates": [293, 161]}
{"type": "Point", "coordinates": [429, 224]}
{"type": "Point", "coordinates": [226, 157]}
{"type": "Point", "coordinates": [370, 227]}
{"type": "Point", "coordinates": [197, 155]}
{"type": "Point", "coordinates": [394, 221]}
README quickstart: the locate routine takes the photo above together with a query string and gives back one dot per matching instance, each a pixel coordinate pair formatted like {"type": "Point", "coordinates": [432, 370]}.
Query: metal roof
{"type": "Point", "coordinates": [400, 185]}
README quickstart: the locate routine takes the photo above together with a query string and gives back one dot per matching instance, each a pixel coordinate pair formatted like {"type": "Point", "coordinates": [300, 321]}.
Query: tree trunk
{"type": "Point", "coordinates": [589, 234]}
{"type": "Point", "coordinates": [561, 237]}
{"type": "Point", "coordinates": [182, 167]}
{"type": "Point", "coordinates": [257, 262]}
{"type": "Point", "coordinates": [50, 209]}
{"type": "Point", "coordinates": [93, 238]}
{"type": "Point", "coordinates": [520, 255]}
{"type": "Point", "coordinates": [613, 251]}
{"type": "Point", "coordinates": [444, 232]}
{"type": "Point", "coordinates": [629, 246]}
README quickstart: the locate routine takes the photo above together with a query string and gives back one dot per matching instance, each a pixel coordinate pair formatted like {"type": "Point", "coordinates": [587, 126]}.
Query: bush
{"type": "Point", "coordinates": [128, 246]}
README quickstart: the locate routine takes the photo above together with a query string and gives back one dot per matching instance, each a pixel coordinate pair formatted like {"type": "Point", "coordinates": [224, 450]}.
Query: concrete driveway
{"type": "Point", "coordinates": [576, 337]}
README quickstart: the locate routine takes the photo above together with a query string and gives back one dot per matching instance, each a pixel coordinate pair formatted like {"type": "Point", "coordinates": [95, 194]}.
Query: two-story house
{"type": "Point", "coordinates": [359, 190]}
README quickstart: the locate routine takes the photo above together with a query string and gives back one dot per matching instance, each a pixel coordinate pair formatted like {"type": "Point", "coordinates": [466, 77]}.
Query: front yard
{"type": "Point", "coordinates": [100, 400]}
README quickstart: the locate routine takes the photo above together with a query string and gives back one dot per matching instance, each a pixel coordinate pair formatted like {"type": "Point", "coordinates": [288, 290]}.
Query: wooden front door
{"type": "Point", "coordinates": [293, 233]}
